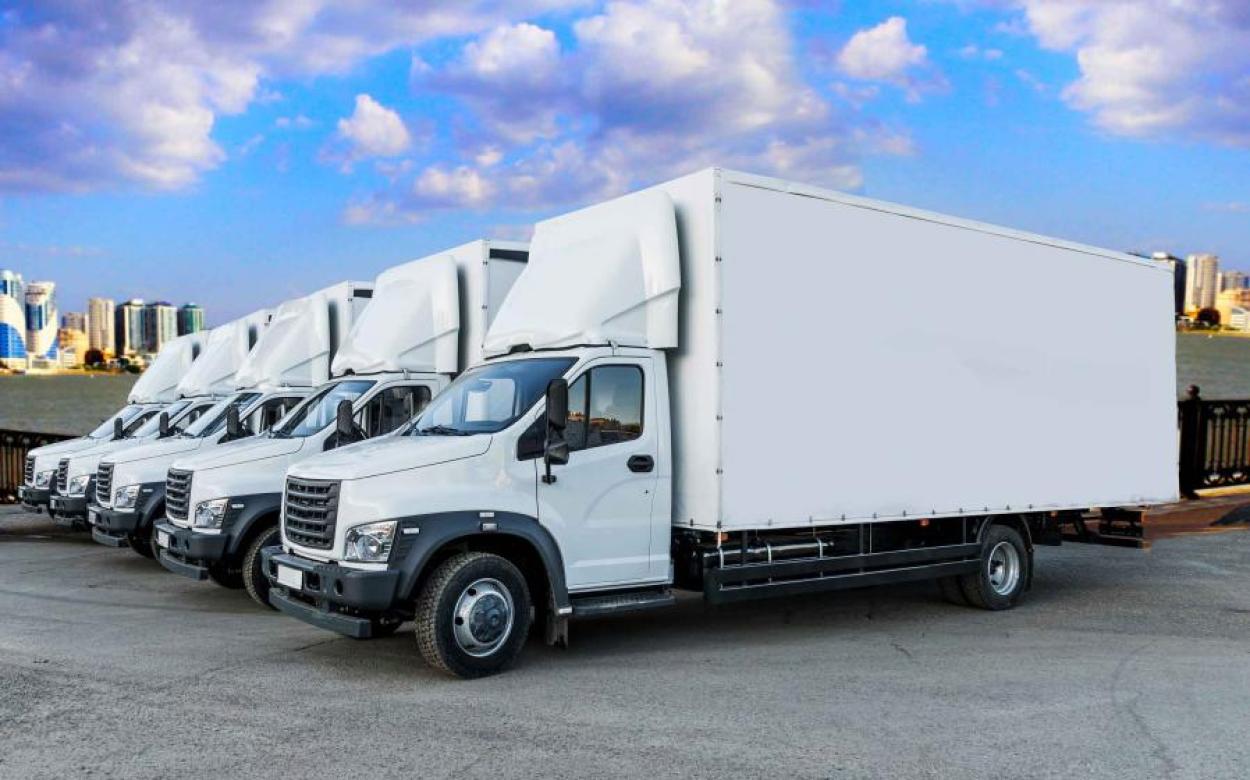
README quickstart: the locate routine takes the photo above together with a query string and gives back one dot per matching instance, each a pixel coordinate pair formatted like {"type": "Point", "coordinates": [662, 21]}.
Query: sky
{"type": "Point", "coordinates": [242, 152]}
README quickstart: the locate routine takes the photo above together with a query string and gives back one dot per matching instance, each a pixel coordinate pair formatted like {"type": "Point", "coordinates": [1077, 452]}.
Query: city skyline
{"type": "Point", "coordinates": [367, 135]}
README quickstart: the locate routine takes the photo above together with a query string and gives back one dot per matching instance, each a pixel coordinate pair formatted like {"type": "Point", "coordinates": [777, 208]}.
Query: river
{"type": "Point", "coordinates": [75, 403]}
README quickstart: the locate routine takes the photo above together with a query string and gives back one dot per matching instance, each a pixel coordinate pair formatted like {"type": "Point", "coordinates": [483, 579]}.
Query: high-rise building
{"type": "Point", "coordinates": [1202, 282]}
{"type": "Point", "coordinates": [1232, 280]}
{"type": "Point", "coordinates": [41, 320]}
{"type": "Point", "coordinates": [12, 317]}
{"type": "Point", "coordinates": [128, 327]}
{"type": "Point", "coordinates": [74, 320]}
{"type": "Point", "coordinates": [101, 328]}
{"type": "Point", "coordinates": [190, 319]}
{"type": "Point", "coordinates": [160, 324]}
{"type": "Point", "coordinates": [1178, 278]}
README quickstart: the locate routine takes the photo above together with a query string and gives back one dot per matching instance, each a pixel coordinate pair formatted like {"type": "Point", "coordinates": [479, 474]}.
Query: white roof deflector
{"type": "Point", "coordinates": [412, 323]}
{"type": "Point", "coordinates": [226, 349]}
{"type": "Point", "coordinates": [605, 274]}
{"type": "Point", "coordinates": [159, 383]}
{"type": "Point", "coordinates": [297, 347]}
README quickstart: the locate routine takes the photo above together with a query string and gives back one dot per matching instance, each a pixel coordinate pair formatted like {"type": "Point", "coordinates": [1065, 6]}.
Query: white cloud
{"type": "Point", "coordinates": [974, 52]}
{"type": "Point", "coordinates": [1154, 68]}
{"type": "Point", "coordinates": [644, 90]}
{"type": "Point", "coordinates": [886, 54]}
{"type": "Point", "coordinates": [373, 130]}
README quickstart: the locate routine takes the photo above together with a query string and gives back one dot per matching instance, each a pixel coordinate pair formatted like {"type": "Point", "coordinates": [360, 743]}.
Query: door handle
{"type": "Point", "coordinates": [641, 463]}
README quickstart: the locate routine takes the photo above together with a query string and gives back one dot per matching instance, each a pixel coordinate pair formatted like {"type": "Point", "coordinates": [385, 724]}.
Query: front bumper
{"type": "Point", "coordinates": [189, 554]}
{"type": "Point", "coordinates": [111, 527]}
{"type": "Point", "coordinates": [333, 597]}
{"type": "Point", "coordinates": [69, 507]}
{"type": "Point", "coordinates": [34, 498]}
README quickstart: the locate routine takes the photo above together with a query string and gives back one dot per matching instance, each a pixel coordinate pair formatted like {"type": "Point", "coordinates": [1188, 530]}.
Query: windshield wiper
{"type": "Point", "coordinates": [441, 430]}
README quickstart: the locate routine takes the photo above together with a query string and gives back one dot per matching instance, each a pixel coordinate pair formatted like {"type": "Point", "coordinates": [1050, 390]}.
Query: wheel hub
{"type": "Point", "coordinates": [482, 619]}
{"type": "Point", "coordinates": [1004, 568]}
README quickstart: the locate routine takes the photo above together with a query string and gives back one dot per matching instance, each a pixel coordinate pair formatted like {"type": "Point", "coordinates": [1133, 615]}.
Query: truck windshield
{"type": "Point", "coordinates": [153, 425]}
{"type": "Point", "coordinates": [320, 409]}
{"type": "Point", "coordinates": [214, 419]}
{"type": "Point", "coordinates": [105, 431]}
{"type": "Point", "coordinates": [488, 398]}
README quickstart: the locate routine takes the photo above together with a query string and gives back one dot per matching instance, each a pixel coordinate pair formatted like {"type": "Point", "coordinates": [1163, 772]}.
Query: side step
{"type": "Point", "coordinates": [617, 603]}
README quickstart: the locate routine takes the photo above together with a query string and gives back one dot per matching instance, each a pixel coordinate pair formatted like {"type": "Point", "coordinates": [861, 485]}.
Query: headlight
{"type": "Point", "coordinates": [209, 514]}
{"type": "Point", "coordinates": [78, 485]}
{"type": "Point", "coordinates": [44, 478]}
{"type": "Point", "coordinates": [370, 543]}
{"type": "Point", "coordinates": [126, 497]}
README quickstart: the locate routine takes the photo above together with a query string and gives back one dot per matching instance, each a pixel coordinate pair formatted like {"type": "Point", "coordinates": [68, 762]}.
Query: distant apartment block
{"type": "Point", "coordinates": [1232, 280]}
{"type": "Point", "coordinates": [190, 319]}
{"type": "Point", "coordinates": [1202, 282]}
{"type": "Point", "coordinates": [160, 325]}
{"type": "Point", "coordinates": [101, 327]}
{"type": "Point", "coordinates": [41, 321]}
{"type": "Point", "coordinates": [1228, 301]}
{"type": "Point", "coordinates": [12, 317]}
{"type": "Point", "coordinates": [128, 326]}
{"type": "Point", "coordinates": [74, 320]}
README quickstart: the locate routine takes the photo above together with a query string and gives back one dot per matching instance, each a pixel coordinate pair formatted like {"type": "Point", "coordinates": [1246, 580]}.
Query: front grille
{"type": "Point", "coordinates": [104, 484]}
{"type": "Point", "coordinates": [177, 494]}
{"type": "Point", "coordinates": [62, 476]}
{"type": "Point", "coordinates": [312, 506]}
{"type": "Point", "coordinates": [30, 470]}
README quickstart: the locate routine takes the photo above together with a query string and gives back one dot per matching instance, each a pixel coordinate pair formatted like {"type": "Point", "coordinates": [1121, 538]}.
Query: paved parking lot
{"type": "Point", "coordinates": [1120, 664]}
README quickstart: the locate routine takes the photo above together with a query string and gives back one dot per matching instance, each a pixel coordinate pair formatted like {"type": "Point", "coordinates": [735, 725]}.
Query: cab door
{"type": "Point", "coordinates": [600, 503]}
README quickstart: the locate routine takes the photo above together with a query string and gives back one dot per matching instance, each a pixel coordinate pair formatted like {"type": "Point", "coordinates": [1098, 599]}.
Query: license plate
{"type": "Point", "coordinates": [162, 539]}
{"type": "Point", "coordinates": [92, 516]}
{"type": "Point", "coordinates": [291, 578]}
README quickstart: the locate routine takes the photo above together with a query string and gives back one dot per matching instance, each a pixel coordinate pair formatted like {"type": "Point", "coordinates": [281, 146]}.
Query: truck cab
{"type": "Point", "coordinates": [223, 506]}
{"type": "Point", "coordinates": [152, 393]}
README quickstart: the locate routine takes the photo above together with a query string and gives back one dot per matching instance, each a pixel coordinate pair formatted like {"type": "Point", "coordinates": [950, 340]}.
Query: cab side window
{"type": "Point", "coordinates": [605, 407]}
{"type": "Point", "coordinates": [391, 408]}
{"type": "Point", "coordinates": [264, 417]}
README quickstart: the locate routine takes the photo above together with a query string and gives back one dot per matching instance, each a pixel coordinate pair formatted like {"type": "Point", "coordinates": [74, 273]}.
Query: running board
{"type": "Point", "coordinates": [617, 603]}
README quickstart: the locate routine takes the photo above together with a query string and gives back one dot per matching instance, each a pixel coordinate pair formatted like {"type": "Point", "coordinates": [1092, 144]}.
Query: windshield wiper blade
{"type": "Point", "coordinates": [441, 430]}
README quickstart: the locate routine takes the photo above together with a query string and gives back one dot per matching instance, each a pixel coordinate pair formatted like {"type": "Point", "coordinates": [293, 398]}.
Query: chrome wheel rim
{"type": "Point", "coordinates": [482, 619]}
{"type": "Point", "coordinates": [1004, 568]}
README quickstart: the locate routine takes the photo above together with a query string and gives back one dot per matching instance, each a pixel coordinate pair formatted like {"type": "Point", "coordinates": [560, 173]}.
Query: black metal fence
{"type": "Point", "coordinates": [1215, 443]}
{"type": "Point", "coordinates": [13, 448]}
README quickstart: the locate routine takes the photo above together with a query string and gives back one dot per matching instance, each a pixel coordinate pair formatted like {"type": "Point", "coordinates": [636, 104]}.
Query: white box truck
{"type": "Point", "coordinates": [252, 378]}
{"type": "Point", "coordinates": [425, 323]}
{"type": "Point", "coordinates": [151, 393]}
{"type": "Point", "coordinates": [745, 387]}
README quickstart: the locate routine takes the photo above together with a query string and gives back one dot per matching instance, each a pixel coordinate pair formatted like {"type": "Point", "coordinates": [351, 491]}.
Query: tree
{"type": "Point", "coordinates": [1208, 318]}
{"type": "Point", "coordinates": [94, 357]}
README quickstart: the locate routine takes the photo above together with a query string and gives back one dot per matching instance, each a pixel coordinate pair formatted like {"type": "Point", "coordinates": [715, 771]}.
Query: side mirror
{"type": "Point", "coordinates": [344, 428]}
{"type": "Point", "coordinates": [164, 424]}
{"type": "Point", "coordinates": [233, 427]}
{"type": "Point", "coordinates": [555, 447]}
{"type": "Point", "coordinates": [119, 428]}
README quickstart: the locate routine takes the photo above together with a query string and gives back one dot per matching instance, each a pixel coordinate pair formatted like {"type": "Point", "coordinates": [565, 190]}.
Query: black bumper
{"type": "Point", "coordinates": [332, 597]}
{"type": "Point", "coordinates": [112, 528]}
{"type": "Point", "coordinates": [33, 497]}
{"type": "Point", "coordinates": [190, 554]}
{"type": "Point", "coordinates": [70, 507]}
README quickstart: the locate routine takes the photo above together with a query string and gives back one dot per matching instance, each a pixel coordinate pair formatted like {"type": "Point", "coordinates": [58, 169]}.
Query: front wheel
{"type": "Point", "coordinates": [143, 541]}
{"type": "Point", "coordinates": [1000, 580]}
{"type": "Point", "coordinates": [473, 615]}
{"type": "Point", "coordinates": [254, 579]}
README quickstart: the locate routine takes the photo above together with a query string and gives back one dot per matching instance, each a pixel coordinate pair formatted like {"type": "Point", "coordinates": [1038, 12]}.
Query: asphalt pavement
{"type": "Point", "coordinates": [1121, 663]}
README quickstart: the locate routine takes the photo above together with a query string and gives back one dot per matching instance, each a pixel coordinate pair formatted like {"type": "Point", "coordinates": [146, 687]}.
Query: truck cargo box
{"type": "Point", "coordinates": [844, 360]}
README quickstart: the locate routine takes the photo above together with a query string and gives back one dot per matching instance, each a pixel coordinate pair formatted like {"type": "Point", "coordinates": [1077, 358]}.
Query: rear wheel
{"type": "Point", "coordinates": [253, 573]}
{"type": "Point", "coordinates": [999, 582]}
{"type": "Point", "coordinates": [473, 615]}
{"type": "Point", "coordinates": [143, 541]}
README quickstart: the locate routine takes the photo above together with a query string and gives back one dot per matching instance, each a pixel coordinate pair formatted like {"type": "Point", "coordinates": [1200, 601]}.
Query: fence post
{"type": "Point", "coordinates": [1193, 443]}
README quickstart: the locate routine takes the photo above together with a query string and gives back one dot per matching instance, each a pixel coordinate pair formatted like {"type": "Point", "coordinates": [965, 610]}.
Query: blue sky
{"type": "Point", "coordinates": [238, 154]}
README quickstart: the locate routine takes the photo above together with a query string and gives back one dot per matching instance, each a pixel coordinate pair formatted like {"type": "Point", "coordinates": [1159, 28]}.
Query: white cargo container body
{"type": "Point", "coordinates": [846, 360]}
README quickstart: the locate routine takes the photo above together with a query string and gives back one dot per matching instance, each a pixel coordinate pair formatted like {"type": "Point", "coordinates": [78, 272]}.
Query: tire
{"type": "Point", "coordinates": [144, 542]}
{"type": "Point", "coordinates": [470, 589]}
{"type": "Point", "coordinates": [226, 576]}
{"type": "Point", "coordinates": [253, 573]}
{"type": "Point", "coordinates": [951, 591]}
{"type": "Point", "coordinates": [1000, 580]}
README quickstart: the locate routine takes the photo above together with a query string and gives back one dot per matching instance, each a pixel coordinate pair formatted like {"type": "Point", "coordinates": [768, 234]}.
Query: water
{"type": "Point", "coordinates": [74, 404]}
{"type": "Point", "coordinates": [70, 403]}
